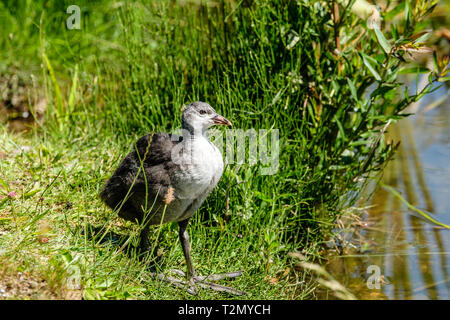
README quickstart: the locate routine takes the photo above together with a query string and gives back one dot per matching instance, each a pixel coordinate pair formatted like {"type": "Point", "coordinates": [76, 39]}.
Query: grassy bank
{"type": "Point", "coordinates": [53, 227]}
{"type": "Point", "coordinates": [315, 71]}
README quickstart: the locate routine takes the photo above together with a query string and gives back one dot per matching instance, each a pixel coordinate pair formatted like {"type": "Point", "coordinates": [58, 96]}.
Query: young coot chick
{"type": "Point", "coordinates": [168, 180]}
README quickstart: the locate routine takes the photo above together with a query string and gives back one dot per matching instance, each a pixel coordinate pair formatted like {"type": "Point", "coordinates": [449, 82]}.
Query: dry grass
{"type": "Point", "coordinates": [32, 284]}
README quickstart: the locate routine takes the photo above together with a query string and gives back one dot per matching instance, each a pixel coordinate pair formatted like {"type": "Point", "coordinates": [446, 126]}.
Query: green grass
{"type": "Point", "coordinates": [129, 70]}
{"type": "Point", "coordinates": [48, 179]}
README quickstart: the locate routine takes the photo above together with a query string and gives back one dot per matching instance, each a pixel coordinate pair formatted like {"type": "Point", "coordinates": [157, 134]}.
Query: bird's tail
{"type": "Point", "coordinates": [113, 193]}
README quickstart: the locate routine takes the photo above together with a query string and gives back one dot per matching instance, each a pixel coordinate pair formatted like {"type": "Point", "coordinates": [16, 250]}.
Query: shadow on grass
{"type": "Point", "coordinates": [123, 243]}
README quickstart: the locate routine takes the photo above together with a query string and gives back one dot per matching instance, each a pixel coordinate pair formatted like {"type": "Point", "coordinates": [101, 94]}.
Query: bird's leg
{"type": "Point", "coordinates": [184, 239]}
{"type": "Point", "coordinates": [144, 243]}
{"type": "Point", "coordinates": [192, 279]}
{"type": "Point", "coordinates": [146, 249]}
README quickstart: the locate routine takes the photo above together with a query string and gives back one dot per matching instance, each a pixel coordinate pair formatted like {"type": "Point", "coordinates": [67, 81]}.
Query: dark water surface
{"type": "Point", "coordinates": [412, 254]}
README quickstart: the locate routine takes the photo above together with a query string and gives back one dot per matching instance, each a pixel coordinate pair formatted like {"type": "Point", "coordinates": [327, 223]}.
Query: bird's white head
{"type": "Point", "coordinates": [199, 116]}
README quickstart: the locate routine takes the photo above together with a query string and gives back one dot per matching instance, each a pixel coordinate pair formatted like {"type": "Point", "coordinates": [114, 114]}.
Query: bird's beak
{"type": "Point", "coordinates": [221, 120]}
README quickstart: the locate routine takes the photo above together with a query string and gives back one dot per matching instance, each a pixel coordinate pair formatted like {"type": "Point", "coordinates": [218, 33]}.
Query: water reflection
{"type": "Point", "coordinates": [413, 255]}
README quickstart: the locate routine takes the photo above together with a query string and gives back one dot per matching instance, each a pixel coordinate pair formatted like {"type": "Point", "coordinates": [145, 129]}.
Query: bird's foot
{"type": "Point", "coordinates": [201, 281]}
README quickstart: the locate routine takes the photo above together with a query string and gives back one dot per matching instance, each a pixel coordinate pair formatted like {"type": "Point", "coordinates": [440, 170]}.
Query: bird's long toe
{"type": "Point", "coordinates": [218, 287]}
{"type": "Point", "coordinates": [195, 281]}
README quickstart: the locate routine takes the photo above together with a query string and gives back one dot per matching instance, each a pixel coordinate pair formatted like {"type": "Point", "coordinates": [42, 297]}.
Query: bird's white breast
{"type": "Point", "coordinates": [202, 169]}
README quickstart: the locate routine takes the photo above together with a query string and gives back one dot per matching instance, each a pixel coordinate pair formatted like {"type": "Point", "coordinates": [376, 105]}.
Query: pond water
{"type": "Point", "coordinates": [411, 254]}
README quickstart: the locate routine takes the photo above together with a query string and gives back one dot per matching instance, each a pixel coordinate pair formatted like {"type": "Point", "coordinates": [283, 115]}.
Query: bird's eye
{"type": "Point", "coordinates": [202, 112]}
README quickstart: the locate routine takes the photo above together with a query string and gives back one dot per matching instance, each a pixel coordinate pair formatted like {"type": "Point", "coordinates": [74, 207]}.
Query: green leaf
{"type": "Point", "coordinates": [394, 32]}
{"type": "Point", "coordinates": [413, 70]}
{"type": "Point", "coordinates": [407, 14]}
{"type": "Point", "coordinates": [340, 128]}
{"type": "Point", "coordinates": [91, 294]}
{"type": "Point", "coordinates": [352, 89]}
{"type": "Point", "coordinates": [423, 37]}
{"type": "Point", "coordinates": [31, 193]}
{"type": "Point", "coordinates": [73, 90]}
{"type": "Point", "coordinates": [57, 157]}
{"type": "Point", "coordinates": [430, 9]}
{"type": "Point", "coordinates": [4, 184]}
{"type": "Point", "coordinates": [381, 91]}
{"type": "Point", "coordinates": [395, 11]}
{"type": "Point", "coordinates": [382, 40]}
{"type": "Point", "coordinates": [370, 67]}
{"type": "Point", "coordinates": [392, 75]}
{"type": "Point", "coordinates": [3, 201]}
{"type": "Point", "coordinates": [435, 62]}
{"type": "Point", "coordinates": [59, 97]}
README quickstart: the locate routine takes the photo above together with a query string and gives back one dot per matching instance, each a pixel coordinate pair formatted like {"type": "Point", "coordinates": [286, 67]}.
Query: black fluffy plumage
{"type": "Point", "coordinates": [134, 187]}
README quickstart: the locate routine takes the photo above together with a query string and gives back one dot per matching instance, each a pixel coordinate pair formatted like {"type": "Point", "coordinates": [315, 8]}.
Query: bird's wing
{"type": "Point", "coordinates": [160, 150]}
{"type": "Point", "coordinates": [144, 175]}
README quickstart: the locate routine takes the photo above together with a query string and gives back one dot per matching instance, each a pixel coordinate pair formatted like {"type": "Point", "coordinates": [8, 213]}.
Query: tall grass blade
{"type": "Point", "coordinates": [413, 208]}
